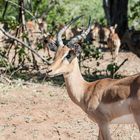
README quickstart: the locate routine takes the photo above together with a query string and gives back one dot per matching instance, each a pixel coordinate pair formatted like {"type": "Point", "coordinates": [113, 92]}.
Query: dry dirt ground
{"type": "Point", "coordinates": [43, 111]}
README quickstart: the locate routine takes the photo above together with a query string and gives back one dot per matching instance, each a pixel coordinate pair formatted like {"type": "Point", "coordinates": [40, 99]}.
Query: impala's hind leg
{"type": "Point", "coordinates": [136, 112]}
{"type": "Point", "coordinates": [137, 118]}
{"type": "Point", "coordinates": [100, 136]}
{"type": "Point", "coordinates": [104, 133]}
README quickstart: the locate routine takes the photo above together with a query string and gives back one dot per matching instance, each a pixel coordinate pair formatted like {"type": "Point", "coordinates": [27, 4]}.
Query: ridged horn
{"type": "Point", "coordinates": [60, 33]}
{"type": "Point", "coordinates": [82, 35]}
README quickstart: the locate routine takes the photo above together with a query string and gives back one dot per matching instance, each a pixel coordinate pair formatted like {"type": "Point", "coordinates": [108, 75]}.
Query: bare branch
{"type": "Point", "coordinates": [21, 42]}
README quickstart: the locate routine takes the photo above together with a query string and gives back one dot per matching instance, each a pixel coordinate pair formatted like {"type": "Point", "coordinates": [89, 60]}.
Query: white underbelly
{"type": "Point", "coordinates": [124, 119]}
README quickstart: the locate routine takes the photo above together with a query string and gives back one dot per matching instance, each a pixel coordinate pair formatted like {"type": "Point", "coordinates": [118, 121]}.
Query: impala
{"type": "Point", "coordinates": [99, 33]}
{"type": "Point", "coordinates": [71, 32]}
{"type": "Point", "coordinates": [113, 42]}
{"type": "Point", "coordinates": [105, 101]}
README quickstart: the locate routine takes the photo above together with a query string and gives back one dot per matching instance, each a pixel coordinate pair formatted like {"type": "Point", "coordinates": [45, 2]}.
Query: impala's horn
{"type": "Point", "coordinates": [82, 35]}
{"type": "Point", "coordinates": [60, 33]}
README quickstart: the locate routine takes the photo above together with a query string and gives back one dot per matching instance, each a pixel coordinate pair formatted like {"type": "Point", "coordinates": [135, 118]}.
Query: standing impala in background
{"type": "Point", "coordinates": [105, 101]}
{"type": "Point", "coordinates": [113, 42]}
{"type": "Point", "coordinates": [106, 35]}
{"type": "Point", "coordinates": [99, 33]}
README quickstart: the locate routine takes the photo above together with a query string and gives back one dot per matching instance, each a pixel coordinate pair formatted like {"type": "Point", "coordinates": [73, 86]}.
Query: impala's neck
{"type": "Point", "coordinates": [75, 83]}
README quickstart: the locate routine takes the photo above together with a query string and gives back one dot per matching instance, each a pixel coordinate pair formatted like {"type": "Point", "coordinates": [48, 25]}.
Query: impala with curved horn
{"type": "Point", "coordinates": [59, 36]}
{"type": "Point", "coordinates": [105, 101]}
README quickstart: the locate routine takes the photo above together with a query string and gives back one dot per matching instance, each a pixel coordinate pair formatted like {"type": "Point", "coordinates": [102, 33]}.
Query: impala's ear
{"type": "Point", "coordinates": [52, 46]}
{"type": "Point", "coordinates": [115, 26]}
{"type": "Point", "coordinates": [77, 49]}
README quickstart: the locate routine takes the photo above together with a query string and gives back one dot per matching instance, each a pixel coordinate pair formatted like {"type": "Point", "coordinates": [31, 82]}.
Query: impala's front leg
{"type": "Point", "coordinates": [100, 135]}
{"type": "Point", "coordinates": [104, 133]}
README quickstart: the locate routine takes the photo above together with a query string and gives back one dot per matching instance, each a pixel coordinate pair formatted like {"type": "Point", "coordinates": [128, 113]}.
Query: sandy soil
{"type": "Point", "coordinates": [43, 111]}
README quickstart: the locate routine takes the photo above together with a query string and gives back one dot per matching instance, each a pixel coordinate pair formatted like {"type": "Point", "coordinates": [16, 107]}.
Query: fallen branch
{"type": "Point", "coordinates": [123, 62]}
{"type": "Point", "coordinates": [18, 40]}
{"type": "Point", "coordinates": [121, 65]}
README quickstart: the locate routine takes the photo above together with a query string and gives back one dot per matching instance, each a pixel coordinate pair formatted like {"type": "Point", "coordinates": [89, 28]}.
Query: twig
{"type": "Point", "coordinates": [5, 9]}
{"type": "Point", "coordinates": [121, 64]}
{"type": "Point", "coordinates": [115, 71]}
{"type": "Point", "coordinates": [18, 40]}
{"type": "Point", "coordinates": [15, 4]}
{"type": "Point", "coordinates": [10, 47]}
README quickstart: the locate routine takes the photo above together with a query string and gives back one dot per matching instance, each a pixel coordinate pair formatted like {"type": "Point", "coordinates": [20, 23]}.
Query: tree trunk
{"type": "Point", "coordinates": [116, 13]}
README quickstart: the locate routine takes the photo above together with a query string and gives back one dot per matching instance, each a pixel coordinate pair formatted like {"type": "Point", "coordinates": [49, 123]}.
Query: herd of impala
{"type": "Point", "coordinates": [106, 101]}
{"type": "Point", "coordinates": [98, 36]}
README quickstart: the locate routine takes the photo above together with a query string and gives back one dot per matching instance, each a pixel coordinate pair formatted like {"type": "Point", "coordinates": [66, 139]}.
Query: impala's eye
{"type": "Point", "coordinates": [68, 56]}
